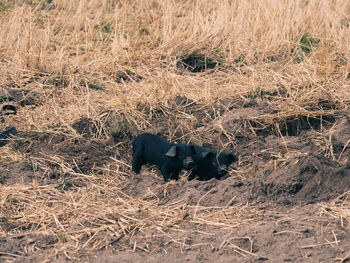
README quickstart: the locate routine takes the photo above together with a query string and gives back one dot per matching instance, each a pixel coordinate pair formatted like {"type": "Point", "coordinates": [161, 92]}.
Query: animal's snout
{"type": "Point", "coordinates": [188, 162]}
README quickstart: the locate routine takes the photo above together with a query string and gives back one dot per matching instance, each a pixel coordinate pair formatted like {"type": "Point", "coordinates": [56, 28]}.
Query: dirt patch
{"type": "Point", "coordinates": [32, 242]}
{"type": "Point", "coordinates": [85, 127]}
{"type": "Point", "coordinates": [86, 156]}
{"type": "Point", "coordinates": [56, 155]}
{"type": "Point", "coordinates": [196, 63]}
{"type": "Point", "coordinates": [21, 96]}
{"type": "Point", "coordinates": [126, 76]}
{"type": "Point", "coordinates": [17, 173]}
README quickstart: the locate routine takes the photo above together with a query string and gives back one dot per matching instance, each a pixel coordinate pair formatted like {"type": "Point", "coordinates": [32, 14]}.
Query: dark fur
{"type": "Point", "coordinates": [9, 109]}
{"type": "Point", "coordinates": [170, 157]}
{"type": "Point", "coordinates": [6, 134]}
{"type": "Point", "coordinates": [208, 165]}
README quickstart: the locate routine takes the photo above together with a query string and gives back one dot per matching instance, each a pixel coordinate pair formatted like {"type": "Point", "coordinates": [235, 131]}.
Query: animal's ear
{"type": "Point", "coordinates": [171, 152]}
{"type": "Point", "coordinates": [233, 157]}
{"type": "Point", "coordinates": [206, 154]}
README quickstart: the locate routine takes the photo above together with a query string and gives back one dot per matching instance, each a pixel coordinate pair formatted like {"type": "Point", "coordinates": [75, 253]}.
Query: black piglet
{"type": "Point", "coordinates": [170, 157]}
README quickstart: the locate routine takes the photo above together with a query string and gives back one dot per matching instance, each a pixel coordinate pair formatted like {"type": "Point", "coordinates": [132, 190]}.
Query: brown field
{"type": "Point", "coordinates": [266, 80]}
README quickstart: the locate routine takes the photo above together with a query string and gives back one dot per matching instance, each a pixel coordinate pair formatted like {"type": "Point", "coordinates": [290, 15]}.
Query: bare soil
{"type": "Point", "coordinates": [283, 185]}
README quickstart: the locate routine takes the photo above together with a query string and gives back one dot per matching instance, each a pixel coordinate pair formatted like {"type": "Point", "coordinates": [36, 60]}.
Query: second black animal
{"type": "Point", "coordinates": [209, 164]}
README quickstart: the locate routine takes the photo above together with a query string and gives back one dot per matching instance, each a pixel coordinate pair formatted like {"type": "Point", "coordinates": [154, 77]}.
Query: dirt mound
{"type": "Point", "coordinates": [301, 180]}
{"type": "Point", "coordinates": [288, 169]}
{"type": "Point", "coordinates": [305, 179]}
{"type": "Point", "coordinates": [340, 138]}
{"type": "Point", "coordinates": [216, 193]}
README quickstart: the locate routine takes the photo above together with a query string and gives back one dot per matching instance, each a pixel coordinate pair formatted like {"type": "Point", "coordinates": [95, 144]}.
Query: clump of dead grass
{"type": "Point", "coordinates": [339, 208]}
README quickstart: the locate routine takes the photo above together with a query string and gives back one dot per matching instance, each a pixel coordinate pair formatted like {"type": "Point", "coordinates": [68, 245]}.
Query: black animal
{"type": "Point", "coordinates": [170, 157]}
{"type": "Point", "coordinates": [209, 164]}
{"type": "Point", "coordinates": [7, 133]}
{"type": "Point", "coordinates": [9, 109]}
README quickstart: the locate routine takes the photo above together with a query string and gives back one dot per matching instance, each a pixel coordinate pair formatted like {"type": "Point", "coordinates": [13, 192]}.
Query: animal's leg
{"type": "Point", "coordinates": [175, 175]}
{"type": "Point", "coordinates": [166, 172]}
{"type": "Point", "coordinates": [137, 162]}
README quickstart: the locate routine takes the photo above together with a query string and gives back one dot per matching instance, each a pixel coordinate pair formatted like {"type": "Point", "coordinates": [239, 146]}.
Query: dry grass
{"type": "Point", "coordinates": [97, 216]}
{"type": "Point", "coordinates": [101, 59]}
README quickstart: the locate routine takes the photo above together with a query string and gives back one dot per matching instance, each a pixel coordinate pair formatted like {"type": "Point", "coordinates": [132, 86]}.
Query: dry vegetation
{"type": "Point", "coordinates": [87, 76]}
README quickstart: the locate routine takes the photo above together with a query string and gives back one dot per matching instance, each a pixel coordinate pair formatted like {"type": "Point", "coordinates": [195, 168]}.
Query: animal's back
{"type": "Point", "coordinates": [153, 147]}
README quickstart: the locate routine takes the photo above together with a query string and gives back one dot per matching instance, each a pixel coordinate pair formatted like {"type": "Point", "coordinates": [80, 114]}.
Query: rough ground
{"type": "Point", "coordinates": [278, 204]}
